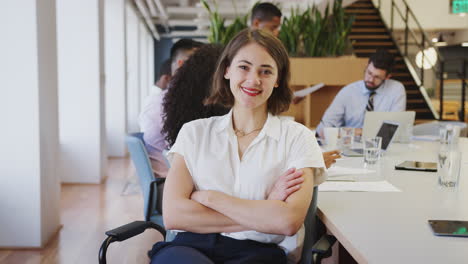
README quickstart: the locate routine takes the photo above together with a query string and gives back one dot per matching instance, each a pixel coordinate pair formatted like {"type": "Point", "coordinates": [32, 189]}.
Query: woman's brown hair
{"type": "Point", "coordinates": [281, 96]}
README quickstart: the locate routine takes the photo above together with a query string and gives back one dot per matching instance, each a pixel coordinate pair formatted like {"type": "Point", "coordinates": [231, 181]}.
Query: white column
{"type": "Point", "coordinates": [133, 69]}
{"type": "Point", "coordinates": [81, 90]}
{"type": "Point", "coordinates": [150, 61]}
{"type": "Point", "coordinates": [144, 87]}
{"type": "Point", "coordinates": [116, 112]}
{"type": "Point", "coordinates": [30, 186]}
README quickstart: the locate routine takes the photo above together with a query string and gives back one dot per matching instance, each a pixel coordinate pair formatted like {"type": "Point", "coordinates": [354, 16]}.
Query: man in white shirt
{"type": "Point", "coordinates": [377, 92]}
{"type": "Point", "coordinates": [145, 120]}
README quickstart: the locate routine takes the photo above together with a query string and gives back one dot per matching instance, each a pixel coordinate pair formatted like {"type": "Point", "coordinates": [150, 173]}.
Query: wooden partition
{"type": "Point", "coordinates": [333, 72]}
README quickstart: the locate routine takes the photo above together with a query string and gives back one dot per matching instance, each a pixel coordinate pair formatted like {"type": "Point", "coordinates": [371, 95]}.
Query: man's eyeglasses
{"type": "Point", "coordinates": [375, 77]}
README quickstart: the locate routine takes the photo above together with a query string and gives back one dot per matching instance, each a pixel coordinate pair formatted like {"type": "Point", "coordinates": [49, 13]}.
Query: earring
{"type": "Point", "coordinates": [276, 85]}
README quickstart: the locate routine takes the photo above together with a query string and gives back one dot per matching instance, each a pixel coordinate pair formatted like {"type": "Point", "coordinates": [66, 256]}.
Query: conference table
{"type": "Point", "coordinates": [392, 227]}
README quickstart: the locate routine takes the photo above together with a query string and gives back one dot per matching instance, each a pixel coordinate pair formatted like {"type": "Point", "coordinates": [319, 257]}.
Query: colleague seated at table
{"type": "Point", "coordinates": [152, 114]}
{"type": "Point", "coordinates": [377, 92]}
{"type": "Point", "coordinates": [222, 168]}
{"type": "Point", "coordinates": [145, 120]}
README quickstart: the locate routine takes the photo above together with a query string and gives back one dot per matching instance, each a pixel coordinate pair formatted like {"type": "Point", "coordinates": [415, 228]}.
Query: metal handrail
{"type": "Point", "coordinates": [425, 42]}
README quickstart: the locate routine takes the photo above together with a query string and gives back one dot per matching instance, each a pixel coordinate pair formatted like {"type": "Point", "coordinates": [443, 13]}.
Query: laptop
{"type": "Point", "coordinates": [387, 132]}
{"type": "Point", "coordinates": [372, 121]}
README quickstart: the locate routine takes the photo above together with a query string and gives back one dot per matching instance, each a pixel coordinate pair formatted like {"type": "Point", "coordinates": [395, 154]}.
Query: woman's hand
{"type": "Point", "coordinates": [287, 184]}
{"type": "Point", "coordinates": [330, 157]}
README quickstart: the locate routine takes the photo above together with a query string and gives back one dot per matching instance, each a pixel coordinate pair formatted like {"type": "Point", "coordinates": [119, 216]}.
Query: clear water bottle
{"type": "Point", "coordinates": [449, 157]}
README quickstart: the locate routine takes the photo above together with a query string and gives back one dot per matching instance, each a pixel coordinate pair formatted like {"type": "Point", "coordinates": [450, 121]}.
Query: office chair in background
{"type": "Point", "coordinates": [148, 182]}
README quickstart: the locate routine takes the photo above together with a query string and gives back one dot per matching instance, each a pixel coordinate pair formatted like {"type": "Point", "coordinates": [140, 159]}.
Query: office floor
{"type": "Point", "coordinates": [87, 211]}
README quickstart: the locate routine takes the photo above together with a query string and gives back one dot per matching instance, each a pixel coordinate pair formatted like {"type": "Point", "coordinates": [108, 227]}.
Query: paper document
{"type": "Point", "coordinates": [306, 91]}
{"type": "Point", "coordinates": [334, 171]}
{"type": "Point", "coordinates": [344, 186]}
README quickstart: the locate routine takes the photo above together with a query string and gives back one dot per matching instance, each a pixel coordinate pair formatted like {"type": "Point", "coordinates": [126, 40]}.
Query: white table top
{"type": "Point", "coordinates": [392, 227]}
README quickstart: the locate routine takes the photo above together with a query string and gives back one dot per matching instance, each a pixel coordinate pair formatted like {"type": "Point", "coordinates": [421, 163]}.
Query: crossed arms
{"type": "Point", "coordinates": [215, 212]}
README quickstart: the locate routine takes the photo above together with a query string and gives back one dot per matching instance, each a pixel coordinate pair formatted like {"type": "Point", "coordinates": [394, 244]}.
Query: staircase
{"type": "Point", "coordinates": [369, 33]}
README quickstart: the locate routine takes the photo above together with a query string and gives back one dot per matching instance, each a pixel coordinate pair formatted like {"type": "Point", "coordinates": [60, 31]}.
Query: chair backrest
{"type": "Point", "coordinates": [136, 147]}
{"type": "Point", "coordinates": [311, 230]}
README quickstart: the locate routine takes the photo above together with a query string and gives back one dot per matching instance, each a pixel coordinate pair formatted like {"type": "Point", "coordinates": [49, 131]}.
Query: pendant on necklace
{"type": "Point", "coordinates": [239, 133]}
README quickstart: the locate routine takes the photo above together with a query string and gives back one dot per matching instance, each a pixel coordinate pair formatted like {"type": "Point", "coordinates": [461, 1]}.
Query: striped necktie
{"type": "Point", "coordinates": [370, 102]}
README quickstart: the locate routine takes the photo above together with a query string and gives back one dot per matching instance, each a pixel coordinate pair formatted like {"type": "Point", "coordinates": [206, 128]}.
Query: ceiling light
{"type": "Point", "coordinates": [430, 58]}
{"type": "Point", "coordinates": [434, 40]}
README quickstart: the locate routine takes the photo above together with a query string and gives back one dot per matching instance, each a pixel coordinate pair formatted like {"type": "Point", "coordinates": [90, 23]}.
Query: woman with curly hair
{"type": "Point", "coordinates": [188, 88]}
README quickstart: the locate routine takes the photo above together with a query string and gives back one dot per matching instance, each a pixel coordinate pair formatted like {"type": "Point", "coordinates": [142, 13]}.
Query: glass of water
{"type": "Point", "coordinates": [449, 167]}
{"type": "Point", "coordinates": [372, 148]}
{"type": "Point", "coordinates": [346, 137]}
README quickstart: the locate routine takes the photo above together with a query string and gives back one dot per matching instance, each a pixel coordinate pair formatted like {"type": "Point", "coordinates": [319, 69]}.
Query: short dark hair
{"type": "Point", "coordinates": [281, 96]}
{"type": "Point", "coordinates": [165, 68]}
{"type": "Point", "coordinates": [189, 87]}
{"type": "Point", "coordinates": [183, 45]}
{"type": "Point", "coordinates": [265, 12]}
{"type": "Point", "coordinates": [382, 59]}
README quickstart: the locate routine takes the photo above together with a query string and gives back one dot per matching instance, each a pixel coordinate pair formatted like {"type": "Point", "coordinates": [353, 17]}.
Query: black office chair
{"type": "Point", "coordinates": [314, 250]}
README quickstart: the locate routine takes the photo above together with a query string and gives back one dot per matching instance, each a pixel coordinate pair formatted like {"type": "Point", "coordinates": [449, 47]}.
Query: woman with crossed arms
{"type": "Point", "coordinates": [220, 190]}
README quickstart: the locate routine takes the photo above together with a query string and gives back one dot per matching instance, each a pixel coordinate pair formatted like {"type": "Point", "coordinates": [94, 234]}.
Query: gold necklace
{"type": "Point", "coordinates": [241, 133]}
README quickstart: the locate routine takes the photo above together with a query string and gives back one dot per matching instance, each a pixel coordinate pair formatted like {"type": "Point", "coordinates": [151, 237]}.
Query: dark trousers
{"type": "Point", "coordinates": [195, 248]}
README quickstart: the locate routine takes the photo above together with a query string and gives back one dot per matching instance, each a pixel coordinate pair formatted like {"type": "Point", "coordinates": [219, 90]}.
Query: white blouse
{"type": "Point", "coordinates": [209, 147]}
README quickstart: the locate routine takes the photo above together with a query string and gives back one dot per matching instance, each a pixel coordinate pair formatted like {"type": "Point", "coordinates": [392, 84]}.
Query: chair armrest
{"type": "Point", "coordinates": [323, 248]}
{"type": "Point", "coordinates": [129, 230]}
{"type": "Point", "coordinates": [125, 232]}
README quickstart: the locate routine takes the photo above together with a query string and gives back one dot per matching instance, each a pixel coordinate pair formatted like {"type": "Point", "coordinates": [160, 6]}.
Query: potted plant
{"type": "Point", "coordinates": [311, 34]}
{"type": "Point", "coordinates": [219, 33]}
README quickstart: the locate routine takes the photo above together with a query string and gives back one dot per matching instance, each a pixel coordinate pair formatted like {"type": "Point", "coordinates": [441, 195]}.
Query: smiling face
{"type": "Point", "coordinates": [252, 76]}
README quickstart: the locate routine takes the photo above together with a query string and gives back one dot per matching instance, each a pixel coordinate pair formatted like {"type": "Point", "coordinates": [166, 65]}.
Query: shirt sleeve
{"type": "Point", "coordinates": [334, 115]}
{"type": "Point", "coordinates": [305, 153]}
{"type": "Point", "coordinates": [181, 145]}
{"type": "Point", "coordinates": [399, 104]}
{"type": "Point", "coordinates": [151, 122]}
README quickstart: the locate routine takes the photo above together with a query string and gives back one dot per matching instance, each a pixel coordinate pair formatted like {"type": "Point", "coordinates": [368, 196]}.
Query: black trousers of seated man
{"type": "Point", "coordinates": [188, 247]}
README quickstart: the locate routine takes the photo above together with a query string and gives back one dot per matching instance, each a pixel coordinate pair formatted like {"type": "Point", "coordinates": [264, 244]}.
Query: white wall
{"type": "Point", "coordinates": [29, 189]}
{"type": "Point", "coordinates": [116, 106]}
{"type": "Point", "coordinates": [461, 36]}
{"type": "Point", "coordinates": [133, 69]}
{"type": "Point", "coordinates": [143, 62]}
{"type": "Point", "coordinates": [150, 60]}
{"type": "Point", "coordinates": [81, 98]}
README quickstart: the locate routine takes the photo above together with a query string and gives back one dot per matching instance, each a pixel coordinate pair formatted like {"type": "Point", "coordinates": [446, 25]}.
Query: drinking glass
{"type": "Point", "coordinates": [372, 148]}
{"type": "Point", "coordinates": [448, 168]}
{"type": "Point", "coordinates": [346, 137]}
{"type": "Point", "coordinates": [331, 137]}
